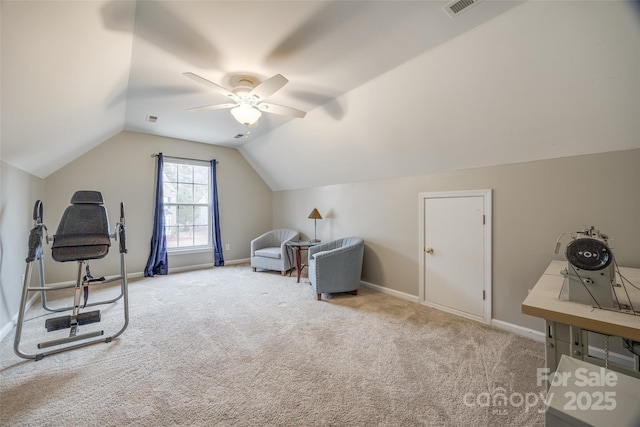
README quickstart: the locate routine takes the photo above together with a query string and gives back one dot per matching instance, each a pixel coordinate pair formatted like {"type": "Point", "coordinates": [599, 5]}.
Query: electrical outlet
{"type": "Point", "coordinates": [226, 247]}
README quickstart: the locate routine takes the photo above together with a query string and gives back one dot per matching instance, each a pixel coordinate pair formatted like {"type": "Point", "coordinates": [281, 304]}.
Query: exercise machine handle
{"type": "Point", "coordinates": [37, 211]}
{"type": "Point", "coordinates": [122, 233]}
{"type": "Point", "coordinates": [36, 234]}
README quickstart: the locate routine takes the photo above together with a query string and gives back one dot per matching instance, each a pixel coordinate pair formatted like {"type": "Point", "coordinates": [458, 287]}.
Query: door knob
{"type": "Point", "coordinates": [429, 250]}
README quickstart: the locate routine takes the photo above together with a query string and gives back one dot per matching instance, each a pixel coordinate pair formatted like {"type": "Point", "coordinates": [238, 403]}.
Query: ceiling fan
{"type": "Point", "coordinates": [248, 97]}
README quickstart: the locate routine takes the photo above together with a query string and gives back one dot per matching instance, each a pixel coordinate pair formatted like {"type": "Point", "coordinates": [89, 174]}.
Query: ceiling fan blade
{"type": "Point", "coordinates": [213, 107]}
{"type": "Point", "coordinates": [159, 23]}
{"type": "Point", "coordinates": [269, 87]}
{"type": "Point", "coordinates": [282, 110]}
{"type": "Point", "coordinates": [210, 84]}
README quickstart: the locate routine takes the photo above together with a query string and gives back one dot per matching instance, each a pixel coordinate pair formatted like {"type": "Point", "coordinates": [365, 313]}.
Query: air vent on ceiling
{"type": "Point", "coordinates": [152, 119]}
{"type": "Point", "coordinates": [240, 135]}
{"type": "Point", "coordinates": [457, 7]}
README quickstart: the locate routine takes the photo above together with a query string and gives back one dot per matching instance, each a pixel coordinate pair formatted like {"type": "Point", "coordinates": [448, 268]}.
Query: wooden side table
{"type": "Point", "coordinates": [297, 247]}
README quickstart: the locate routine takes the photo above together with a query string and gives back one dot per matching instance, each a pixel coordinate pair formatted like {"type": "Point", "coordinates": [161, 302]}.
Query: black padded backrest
{"type": "Point", "coordinates": [87, 197]}
{"type": "Point", "coordinates": [83, 232]}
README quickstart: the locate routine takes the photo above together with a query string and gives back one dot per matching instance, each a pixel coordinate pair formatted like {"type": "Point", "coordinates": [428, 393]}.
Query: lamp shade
{"type": "Point", "coordinates": [246, 114]}
{"type": "Point", "coordinates": [315, 214]}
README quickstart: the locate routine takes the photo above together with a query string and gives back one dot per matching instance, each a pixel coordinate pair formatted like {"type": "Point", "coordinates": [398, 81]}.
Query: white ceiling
{"type": "Point", "coordinates": [385, 83]}
{"type": "Point", "coordinates": [75, 73]}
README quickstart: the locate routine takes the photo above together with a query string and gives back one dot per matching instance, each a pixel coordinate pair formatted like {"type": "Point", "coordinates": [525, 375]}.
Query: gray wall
{"type": "Point", "coordinates": [18, 193]}
{"type": "Point", "coordinates": [532, 204]}
{"type": "Point", "coordinates": [123, 170]}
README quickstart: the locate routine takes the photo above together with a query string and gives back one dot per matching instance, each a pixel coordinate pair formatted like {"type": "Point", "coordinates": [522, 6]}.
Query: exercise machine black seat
{"type": "Point", "coordinates": [83, 232]}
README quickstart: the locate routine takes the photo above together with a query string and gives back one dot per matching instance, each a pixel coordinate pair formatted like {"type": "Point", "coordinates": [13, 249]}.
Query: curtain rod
{"type": "Point", "coordinates": [181, 158]}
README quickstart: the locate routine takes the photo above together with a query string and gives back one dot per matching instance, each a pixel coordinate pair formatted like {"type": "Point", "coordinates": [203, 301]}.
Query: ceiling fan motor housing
{"type": "Point", "coordinates": [242, 86]}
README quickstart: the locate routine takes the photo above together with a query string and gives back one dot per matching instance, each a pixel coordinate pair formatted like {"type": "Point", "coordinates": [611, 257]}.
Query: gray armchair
{"type": "Point", "coordinates": [336, 266]}
{"type": "Point", "coordinates": [269, 251]}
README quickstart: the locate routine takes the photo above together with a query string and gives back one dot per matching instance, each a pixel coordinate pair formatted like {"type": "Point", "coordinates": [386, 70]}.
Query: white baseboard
{"type": "Point", "coordinates": [617, 358]}
{"type": "Point", "coordinates": [596, 352]}
{"type": "Point", "coordinates": [457, 313]}
{"type": "Point", "coordinates": [518, 330]}
{"type": "Point", "coordinates": [14, 320]}
{"type": "Point", "coordinates": [190, 268]}
{"type": "Point", "coordinates": [382, 289]}
{"type": "Point", "coordinates": [6, 329]}
{"type": "Point", "coordinates": [538, 336]}
{"type": "Point", "coordinates": [208, 265]}
{"type": "Point", "coordinates": [140, 274]}
{"type": "Point", "coordinates": [238, 261]}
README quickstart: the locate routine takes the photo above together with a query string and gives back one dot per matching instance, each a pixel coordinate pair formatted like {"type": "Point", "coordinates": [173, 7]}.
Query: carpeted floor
{"type": "Point", "coordinates": [230, 347]}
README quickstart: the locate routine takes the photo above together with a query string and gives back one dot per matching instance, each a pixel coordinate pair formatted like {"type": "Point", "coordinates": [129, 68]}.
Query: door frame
{"type": "Point", "coordinates": [486, 196]}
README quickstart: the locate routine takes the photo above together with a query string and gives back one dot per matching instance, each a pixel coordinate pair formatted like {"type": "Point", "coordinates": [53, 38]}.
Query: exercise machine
{"type": "Point", "coordinates": [82, 235]}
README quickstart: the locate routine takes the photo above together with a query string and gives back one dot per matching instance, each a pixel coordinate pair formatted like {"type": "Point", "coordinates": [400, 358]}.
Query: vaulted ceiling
{"type": "Point", "coordinates": [390, 88]}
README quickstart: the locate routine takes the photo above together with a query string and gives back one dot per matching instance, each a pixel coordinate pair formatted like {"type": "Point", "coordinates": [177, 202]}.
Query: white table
{"type": "Point", "coordinates": [543, 302]}
{"type": "Point", "coordinates": [567, 326]}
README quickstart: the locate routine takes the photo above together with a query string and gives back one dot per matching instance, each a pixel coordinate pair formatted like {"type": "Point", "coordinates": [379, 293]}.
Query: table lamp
{"type": "Point", "coordinates": [315, 215]}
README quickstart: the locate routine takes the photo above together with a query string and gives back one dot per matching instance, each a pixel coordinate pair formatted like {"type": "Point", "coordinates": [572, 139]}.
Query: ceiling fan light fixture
{"type": "Point", "coordinates": [246, 114]}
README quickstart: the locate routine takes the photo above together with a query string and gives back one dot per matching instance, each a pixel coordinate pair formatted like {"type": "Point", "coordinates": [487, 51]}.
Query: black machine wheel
{"type": "Point", "coordinates": [589, 254]}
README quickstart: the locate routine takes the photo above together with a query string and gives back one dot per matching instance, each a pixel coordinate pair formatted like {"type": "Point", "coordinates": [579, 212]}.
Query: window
{"type": "Point", "coordinates": [187, 215]}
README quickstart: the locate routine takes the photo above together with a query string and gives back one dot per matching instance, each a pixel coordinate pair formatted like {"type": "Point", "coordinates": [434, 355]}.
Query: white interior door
{"type": "Point", "coordinates": [454, 253]}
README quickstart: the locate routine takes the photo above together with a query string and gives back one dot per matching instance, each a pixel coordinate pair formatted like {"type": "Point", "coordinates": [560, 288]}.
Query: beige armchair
{"type": "Point", "coordinates": [269, 251]}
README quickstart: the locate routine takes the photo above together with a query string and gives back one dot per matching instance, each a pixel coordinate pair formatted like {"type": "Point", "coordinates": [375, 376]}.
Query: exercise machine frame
{"type": "Point", "coordinates": [37, 237]}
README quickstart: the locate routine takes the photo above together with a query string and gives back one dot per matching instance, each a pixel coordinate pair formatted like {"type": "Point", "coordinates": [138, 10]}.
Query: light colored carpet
{"type": "Point", "coordinates": [230, 347]}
